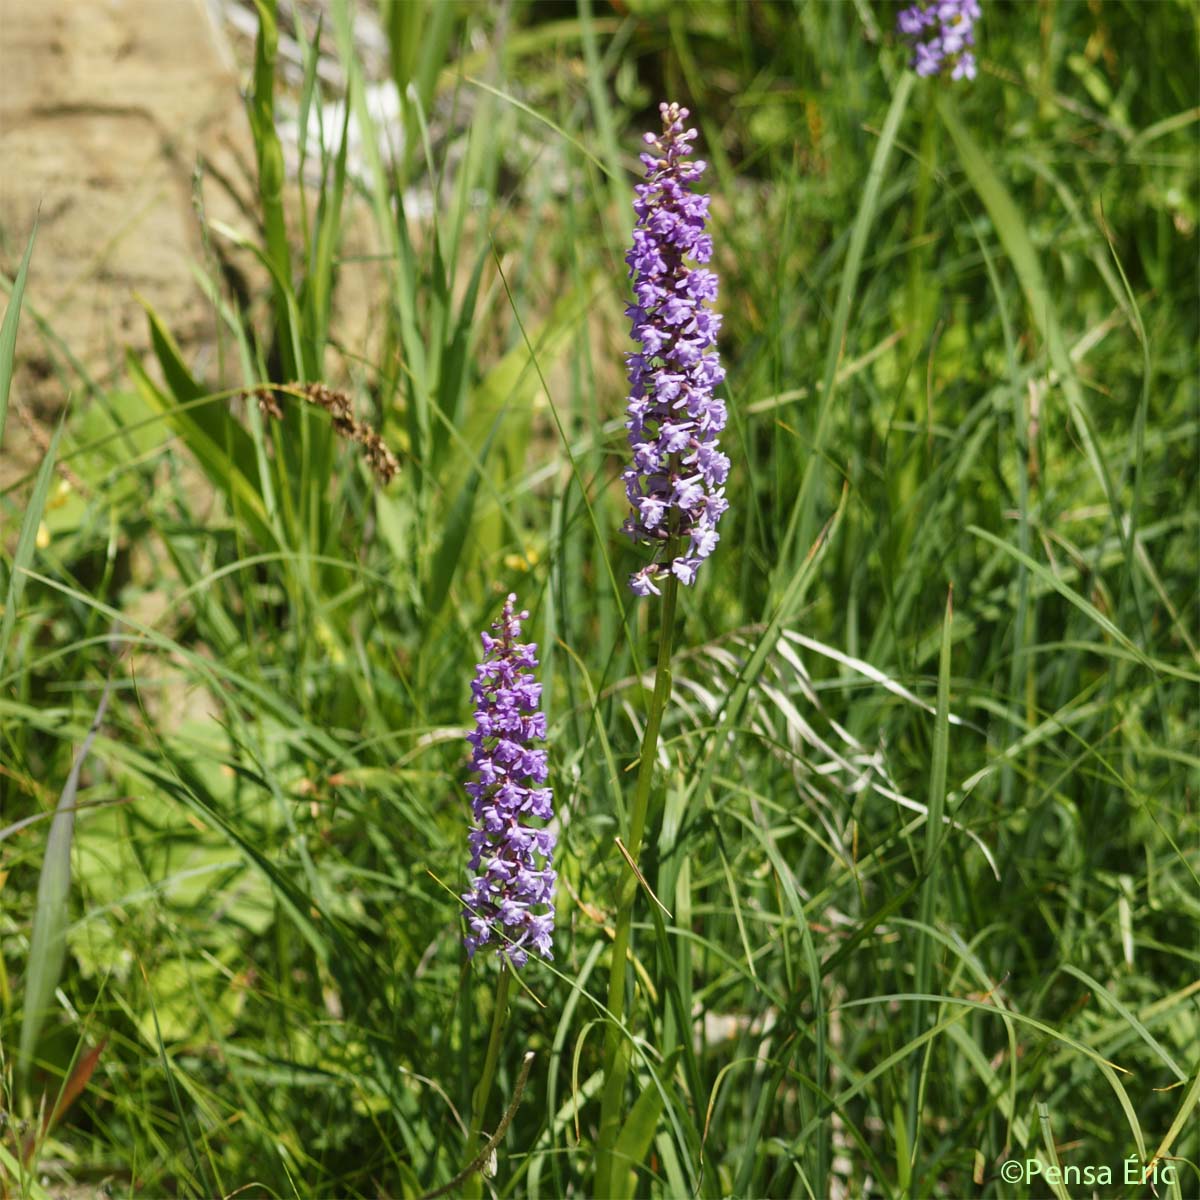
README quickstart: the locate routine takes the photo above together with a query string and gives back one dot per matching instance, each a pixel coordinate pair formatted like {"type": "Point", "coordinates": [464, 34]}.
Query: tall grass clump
{"type": "Point", "coordinates": [859, 855]}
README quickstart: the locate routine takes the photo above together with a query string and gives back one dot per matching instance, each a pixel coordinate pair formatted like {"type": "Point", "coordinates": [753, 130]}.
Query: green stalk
{"type": "Point", "coordinates": [935, 838]}
{"type": "Point", "coordinates": [914, 468]}
{"type": "Point", "coordinates": [617, 1048]}
{"type": "Point", "coordinates": [919, 304]}
{"type": "Point", "coordinates": [473, 1187]}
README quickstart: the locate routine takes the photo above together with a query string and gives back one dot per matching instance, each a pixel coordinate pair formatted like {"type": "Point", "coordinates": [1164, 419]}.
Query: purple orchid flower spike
{"type": "Point", "coordinates": [510, 902]}
{"type": "Point", "coordinates": [942, 34]}
{"type": "Point", "coordinates": [675, 484]}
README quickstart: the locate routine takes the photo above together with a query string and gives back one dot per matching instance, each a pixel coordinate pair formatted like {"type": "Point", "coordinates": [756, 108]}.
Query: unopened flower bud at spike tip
{"type": "Point", "coordinates": [942, 33]}
{"type": "Point", "coordinates": [510, 903]}
{"type": "Point", "coordinates": [675, 483]}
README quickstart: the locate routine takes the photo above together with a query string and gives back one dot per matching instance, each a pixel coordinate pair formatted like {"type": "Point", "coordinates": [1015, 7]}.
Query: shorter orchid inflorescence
{"type": "Point", "coordinates": [511, 900]}
{"type": "Point", "coordinates": [675, 483]}
{"type": "Point", "coordinates": [942, 34]}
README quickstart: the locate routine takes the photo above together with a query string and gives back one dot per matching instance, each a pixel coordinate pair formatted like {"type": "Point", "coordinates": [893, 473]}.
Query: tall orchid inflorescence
{"type": "Point", "coordinates": [675, 483]}
{"type": "Point", "coordinates": [511, 900]}
{"type": "Point", "coordinates": [942, 34]}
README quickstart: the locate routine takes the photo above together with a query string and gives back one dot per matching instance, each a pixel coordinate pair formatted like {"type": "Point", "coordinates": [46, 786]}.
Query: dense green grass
{"type": "Point", "coordinates": [958, 577]}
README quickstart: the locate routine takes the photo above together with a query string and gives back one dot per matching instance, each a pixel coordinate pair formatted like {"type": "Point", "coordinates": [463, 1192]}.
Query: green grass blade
{"type": "Point", "coordinates": [934, 836]}
{"type": "Point", "coordinates": [800, 522]}
{"type": "Point", "coordinates": [634, 1139]}
{"type": "Point", "coordinates": [1069, 594]}
{"type": "Point", "coordinates": [48, 943]}
{"type": "Point", "coordinates": [271, 176]}
{"type": "Point", "coordinates": [12, 1167]}
{"type": "Point", "coordinates": [1014, 235]}
{"type": "Point", "coordinates": [8, 330]}
{"type": "Point", "coordinates": [1182, 1117]}
{"type": "Point", "coordinates": [1054, 1178]}
{"type": "Point", "coordinates": [26, 544]}
{"type": "Point", "coordinates": [1131, 1019]}
{"type": "Point", "coordinates": [218, 458]}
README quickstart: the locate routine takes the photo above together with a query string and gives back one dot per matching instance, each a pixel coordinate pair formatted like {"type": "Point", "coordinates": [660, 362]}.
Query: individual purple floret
{"type": "Point", "coordinates": [511, 902]}
{"type": "Point", "coordinates": [942, 34]}
{"type": "Point", "coordinates": [675, 483]}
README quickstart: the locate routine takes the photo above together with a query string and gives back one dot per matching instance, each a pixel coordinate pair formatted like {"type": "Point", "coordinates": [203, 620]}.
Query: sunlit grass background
{"type": "Point", "coordinates": [960, 336]}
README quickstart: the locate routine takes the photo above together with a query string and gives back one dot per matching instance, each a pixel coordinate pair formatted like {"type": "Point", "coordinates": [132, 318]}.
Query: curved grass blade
{"type": "Point", "coordinates": [48, 944]}
{"type": "Point", "coordinates": [1049, 577]}
{"type": "Point", "coordinates": [1130, 1018]}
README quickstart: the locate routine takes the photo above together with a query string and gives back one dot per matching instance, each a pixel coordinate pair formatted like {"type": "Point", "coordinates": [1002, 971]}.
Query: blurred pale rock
{"type": "Point", "coordinates": [105, 108]}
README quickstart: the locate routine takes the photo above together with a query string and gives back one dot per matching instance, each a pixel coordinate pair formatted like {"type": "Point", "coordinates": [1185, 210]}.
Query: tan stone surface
{"type": "Point", "coordinates": [105, 106]}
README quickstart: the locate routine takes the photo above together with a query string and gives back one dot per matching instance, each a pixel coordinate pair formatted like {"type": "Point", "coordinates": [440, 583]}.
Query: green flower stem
{"type": "Point", "coordinates": [473, 1186]}
{"type": "Point", "coordinates": [921, 297]}
{"type": "Point", "coordinates": [617, 1047]}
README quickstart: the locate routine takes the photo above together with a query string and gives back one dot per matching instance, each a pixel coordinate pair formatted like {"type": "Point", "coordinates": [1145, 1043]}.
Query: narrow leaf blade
{"type": "Point", "coordinates": [8, 331]}
{"type": "Point", "coordinates": [27, 543]}
{"type": "Point", "coordinates": [48, 944]}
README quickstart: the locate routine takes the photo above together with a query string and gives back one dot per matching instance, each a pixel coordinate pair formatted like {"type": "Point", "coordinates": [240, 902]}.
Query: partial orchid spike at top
{"type": "Point", "coordinates": [942, 34]}
{"type": "Point", "coordinates": [675, 484]}
{"type": "Point", "coordinates": [510, 902]}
